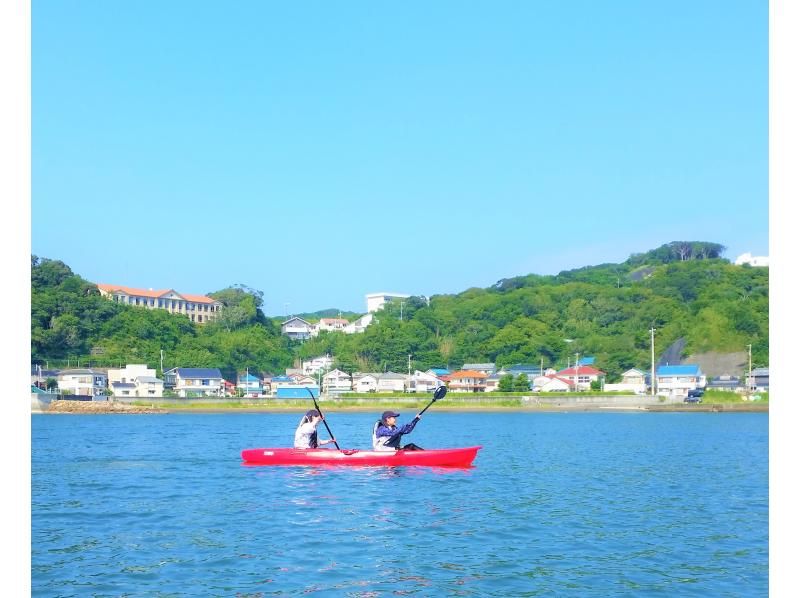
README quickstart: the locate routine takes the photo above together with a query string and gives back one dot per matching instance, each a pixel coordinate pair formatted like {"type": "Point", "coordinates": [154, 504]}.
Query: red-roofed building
{"type": "Point", "coordinates": [467, 381]}
{"type": "Point", "coordinates": [582, 377]}
{"type": "Point", "coordinates": [198, 308]}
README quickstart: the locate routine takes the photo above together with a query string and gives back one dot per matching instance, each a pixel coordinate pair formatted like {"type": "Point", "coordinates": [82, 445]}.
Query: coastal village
{"type": "Point", "coordinates": [321, 378]}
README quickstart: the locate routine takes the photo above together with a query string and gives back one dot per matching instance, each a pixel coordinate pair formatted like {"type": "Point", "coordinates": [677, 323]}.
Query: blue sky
{"type": "Point", "coordinates": [320, 151]}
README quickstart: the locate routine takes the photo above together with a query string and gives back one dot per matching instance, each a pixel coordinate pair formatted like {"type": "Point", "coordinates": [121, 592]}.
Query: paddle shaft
{"type": "Point", "coordinates": [435, 398]}
{"type": "Point", "coordinates": [313, 398]}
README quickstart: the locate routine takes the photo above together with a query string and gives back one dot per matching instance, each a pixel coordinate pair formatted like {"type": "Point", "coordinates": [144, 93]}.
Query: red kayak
{"type": "Point", "coordinates": [456, 457]}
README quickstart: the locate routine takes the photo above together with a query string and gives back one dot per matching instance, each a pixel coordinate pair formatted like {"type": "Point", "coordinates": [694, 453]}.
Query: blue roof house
{"type": "Point", "coordinates": [250, 385]}
{"type": "Point", "coordinates": [677, 380]}
{"type": "Point", "coordinates": [198, 382]}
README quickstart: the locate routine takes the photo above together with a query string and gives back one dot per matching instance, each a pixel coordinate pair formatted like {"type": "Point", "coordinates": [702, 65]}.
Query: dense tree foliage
{"type": "Point", "coordinates": [605, 311]}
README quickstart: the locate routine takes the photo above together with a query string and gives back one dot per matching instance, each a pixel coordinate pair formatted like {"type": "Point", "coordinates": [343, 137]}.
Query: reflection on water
{"type": "Point", "coordinates": [580, 504]}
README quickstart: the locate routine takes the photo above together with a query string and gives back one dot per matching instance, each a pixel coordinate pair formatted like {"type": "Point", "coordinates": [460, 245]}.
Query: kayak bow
{"type": "Point", "coordinates": [456, 457]}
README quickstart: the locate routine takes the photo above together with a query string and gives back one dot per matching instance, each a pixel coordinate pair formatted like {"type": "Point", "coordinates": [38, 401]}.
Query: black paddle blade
{"type": "Point", "coordinates": [439, 393]}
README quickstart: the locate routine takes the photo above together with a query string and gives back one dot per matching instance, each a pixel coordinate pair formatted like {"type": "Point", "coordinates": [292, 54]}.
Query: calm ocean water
{"type": "Point", "coordinates": [582, 504]}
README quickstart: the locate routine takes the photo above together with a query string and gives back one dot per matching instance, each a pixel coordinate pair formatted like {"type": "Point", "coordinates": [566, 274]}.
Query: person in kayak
{"type": "Point", "coordinates": [386, 436]}
{"type": "Point", "coordinates": [306, 434]}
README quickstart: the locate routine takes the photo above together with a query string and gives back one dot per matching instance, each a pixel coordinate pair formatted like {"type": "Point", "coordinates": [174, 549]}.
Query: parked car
{"type": "Point", "coordinates": [694, 396]}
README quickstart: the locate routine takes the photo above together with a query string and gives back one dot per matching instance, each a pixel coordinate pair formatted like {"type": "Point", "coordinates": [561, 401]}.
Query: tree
{"type": "Point", "coordinates": [506, 383]}
{"type": "Point", "coordinates": [521, 383]}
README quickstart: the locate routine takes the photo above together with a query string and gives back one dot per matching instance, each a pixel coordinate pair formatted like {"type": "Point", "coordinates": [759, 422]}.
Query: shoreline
{"type": "Point", "coordinates": [117, 407]}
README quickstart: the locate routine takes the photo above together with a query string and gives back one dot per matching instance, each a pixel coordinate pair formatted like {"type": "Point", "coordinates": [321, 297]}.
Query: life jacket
{"type": "Point", "coordinates": [384, 443]}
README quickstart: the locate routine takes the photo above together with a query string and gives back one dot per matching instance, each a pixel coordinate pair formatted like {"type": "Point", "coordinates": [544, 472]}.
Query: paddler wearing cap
{"type": "Point", "coordinates": [306, 434]}
{"type": "Point", "coordinates": [386, 436]}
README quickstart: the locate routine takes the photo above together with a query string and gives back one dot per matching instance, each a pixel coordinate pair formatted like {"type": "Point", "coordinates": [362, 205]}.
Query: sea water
{"type": "Point", "coordinates": [582, 504]}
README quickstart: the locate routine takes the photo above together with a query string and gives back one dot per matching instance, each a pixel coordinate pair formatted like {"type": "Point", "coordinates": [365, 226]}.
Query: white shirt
{"type": "Point", "coordinates": [302, 436]}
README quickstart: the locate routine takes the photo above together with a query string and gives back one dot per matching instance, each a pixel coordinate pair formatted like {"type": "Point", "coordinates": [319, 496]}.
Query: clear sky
{"type": "Point", "coordinates": [320, 151]}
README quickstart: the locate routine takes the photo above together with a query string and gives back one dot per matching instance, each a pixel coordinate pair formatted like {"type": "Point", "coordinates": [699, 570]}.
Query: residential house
{"type": "Point", "coordinates": [249, 385]}
{"type": "Point", "coordinates": [129, 373]}
{"type": "Point", "coordinates": [582, 376]}
{"type": "Point", "coordinates": [438, 372]}
{"type": "Point", "coordinates": [149, 386]}
{"type": "Point", "coordinates": [123, 389]}
{"type": "Point", "coordinates": [392, 382]}
{"type": "Point", "coordinates": [359, 325]}
{"type": "Point", "coordinates": [493, 381]}
{"type": "Point", "coordinates": [678, 380]}
{"type": "Point", "coordinates": [759, 379]}
{"type": "Point", "coordinates": [724, 382]}
{"type": "Point", "coordinates": [376, 301]}
{"type": "Point", "coordinates": [486, 368]}
{"type": "Point", "coordinates": [423, 382]}
{"type": "Point", "coordinates": [198, 382]}
{"type": "Point", "coordinates": [557, 384]}
{"type": "Point", "coordinates": [633, 380]}
{"type": "Point", "coordinates": [228, 388]}
{"type": "Point", "coordinates": [336, 382]}
{"type": "Point", "coordinates": [365, 382]}
{"type": "Point", "coordinates": [318, 364]}
{"type": "Point", "coordinates": [331, 325]}
{"type": "Point", "coordinates": [297, 329]}
{"type": "Point", "coordinates": [468, 381]}
{"type": "Point", "coordinates": [198, 308]}
{"type": "Point", "coordinates": [529, 369]}
{"type": "Point", "coordinates": [83, 382]}
{"type": "Point", "coordinates": [294, 387]}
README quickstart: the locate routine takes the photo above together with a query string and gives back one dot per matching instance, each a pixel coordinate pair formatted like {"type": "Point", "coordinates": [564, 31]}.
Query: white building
{"type": "Point", "coordinates": [297, 329]}
{"type": "Point", "coordinates": [392, 382]}
{"type": "Point", "coordinates": [129, 373]}
{"type": "Point", "coordinates": [753, 260]}
{"type": "Point", "coordinates": [423, 382]}
{"type": "Point", "coordinates": [633, 380]}
{"type": "Point", "coordinates": [365, 382]}
{"type": "Point", "coordinates": [317, 364]}
{"type": "Point", "coordinates": [376, 301]}
{"type": "Point", "coordinates": [336, 382]}
{"type": "Point", "coordinates": [195, 382]}
{"type": "Point", "coordinates": [359, 325]}
{"type": "Point", "coordinates": [84, 382]}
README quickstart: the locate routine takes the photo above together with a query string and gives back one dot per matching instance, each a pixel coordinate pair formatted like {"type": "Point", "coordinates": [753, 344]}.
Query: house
{"type": "Point", "coordinates": [82, 381]}
{"type": "Point", "coordinates": [228, 388]}
{"type": "Point", "coordinates": [129, 373]}
{"type": "Point", "coordinates": [529, 369]}
{"type": "Point", "coordinates": [678, 380]}
{"type": "Point", "coordinates": [336, 382]}
{"type": "Point", "coordinates": [365, 382]}
{"type": "Point", "coordinates": [123, 389]}
{"type": "Point", "coordinates": [582, 376]}
{"type": "Point", "coordinates": [297, 329]}
{"type": "Point", "coordinates": [724, 382]}
{"type": "Point", "coordinates": [331, 325]}
{"type": "Point", "coordinates": [376, 301]}
{"type": "Point", "coordinates": [423, 382]}
{"type": "Point", "coordinates": [392, 382]}
{"type": "Point", "coordinates": [633, 380]}
{"type": "Point", "coordinates": [468, 381]}
{"type": "Point", "coordinates": [486, 368]}
{"type": "Point", "coordinates": [249, 385]}
{"type": "Point", "coordinates": [556, 384]}
{"type": "Point", "coordinates": [438, 372]}
{"type": "Point", "coordinates": [359, 325]}
{"type": "Point", "coordinates": [317, 364]}
{"type": "Point", "coordinates": [493, 381]}
{"type": "Point", "coordinates": [198, 308]}
{"type": "Point", "coordinates": [759, 379]}
{"type": "Point", "coordinates": [40, 376]}
{"type": "Point", "coordinates": [294, 387]}
{"type": "Point", "coordinates": [198, 382]}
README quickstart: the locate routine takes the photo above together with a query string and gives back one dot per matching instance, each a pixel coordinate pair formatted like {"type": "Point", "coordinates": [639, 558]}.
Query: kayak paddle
{"type": "Point", "coordinates": [437, 395]}
{"type": "Point", "coordinates": [324, 421]}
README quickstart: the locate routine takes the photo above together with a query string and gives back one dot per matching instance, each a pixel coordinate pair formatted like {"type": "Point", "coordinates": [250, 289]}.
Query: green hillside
{"type": "Point", "coordinates": [684, 290]}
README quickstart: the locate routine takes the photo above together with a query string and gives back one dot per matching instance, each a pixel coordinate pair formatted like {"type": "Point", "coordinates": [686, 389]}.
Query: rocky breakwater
{"type": "Point", "coordinates": [99, 407]}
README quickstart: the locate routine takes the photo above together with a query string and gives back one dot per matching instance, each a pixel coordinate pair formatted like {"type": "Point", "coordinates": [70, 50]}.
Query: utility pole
{"type": "Point", "coordinates": [576, 370]}
{"type": "Point", "coordinates": [652, 362]}
{"type": "Point", "coordinates": [749, 370]}
{"type": "Point", "coordinates": [162, 361]}
{"type": "Point", "coordinates": [409, 366]}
